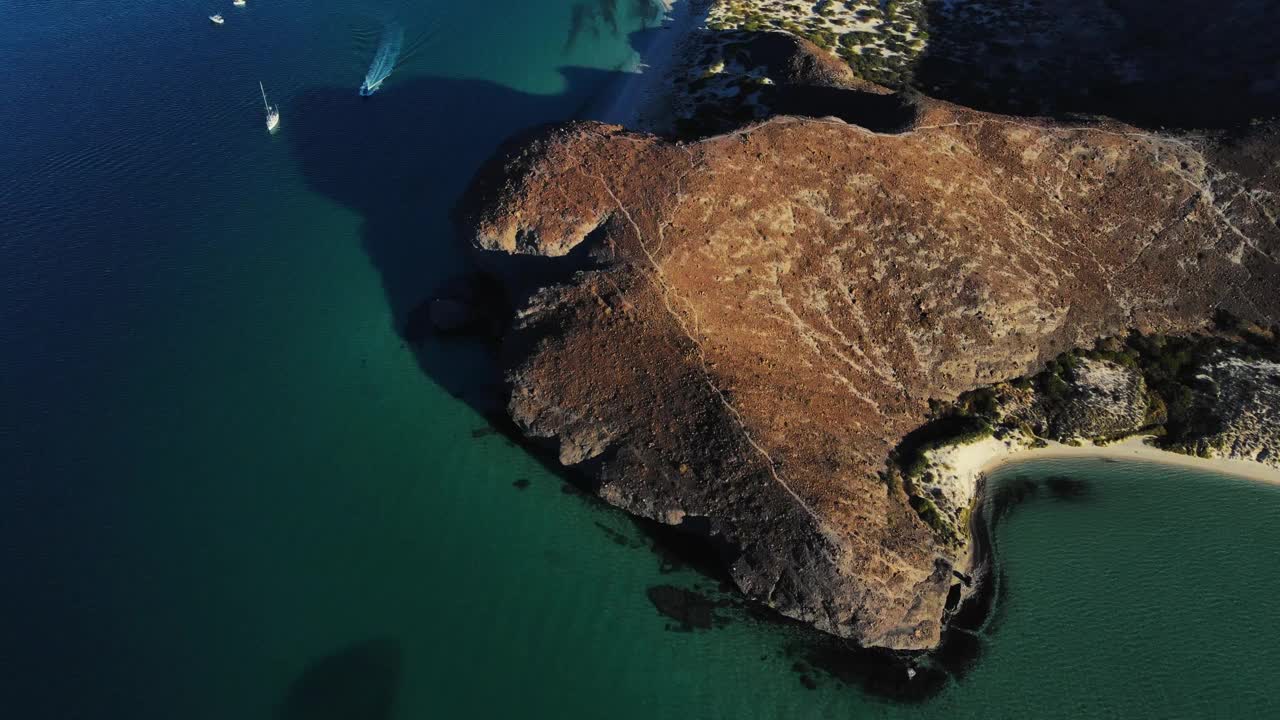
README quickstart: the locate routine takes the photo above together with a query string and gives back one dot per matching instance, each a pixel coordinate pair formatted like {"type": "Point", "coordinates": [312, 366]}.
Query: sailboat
{"type": "Point", "coordinates": [273, 112]}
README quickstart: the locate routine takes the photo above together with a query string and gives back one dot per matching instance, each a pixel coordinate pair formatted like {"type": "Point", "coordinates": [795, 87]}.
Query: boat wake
{"type": "Point", "coordinates": [392, 53]}
{"type": "Point", "coordinates": [384, 61]}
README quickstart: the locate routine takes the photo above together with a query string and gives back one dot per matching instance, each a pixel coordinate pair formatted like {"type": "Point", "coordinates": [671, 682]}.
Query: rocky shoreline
{"type": "Point", "coordinates": [776, 319]}
{"type": "Point", "coordinates": [1209, 396]}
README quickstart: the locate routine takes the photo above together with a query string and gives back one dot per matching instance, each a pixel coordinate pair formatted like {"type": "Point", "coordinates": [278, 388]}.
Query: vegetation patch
{"type": "Point", "coordinates": [934, 518]}
{"type": "Point", "coordinates": [881, 41]}
{"type": "Point", "coordinates": [909, 468]}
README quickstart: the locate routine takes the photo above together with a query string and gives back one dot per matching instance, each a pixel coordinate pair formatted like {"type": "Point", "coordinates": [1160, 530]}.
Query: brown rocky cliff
{"type": "Point", "coordinates": [779, 304]}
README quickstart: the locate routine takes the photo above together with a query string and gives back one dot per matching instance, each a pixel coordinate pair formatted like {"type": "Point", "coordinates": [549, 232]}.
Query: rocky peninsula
{"type": "Point", "coordinates": [774, 321]}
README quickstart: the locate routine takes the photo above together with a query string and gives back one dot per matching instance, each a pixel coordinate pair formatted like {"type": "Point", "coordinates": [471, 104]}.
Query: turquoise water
{"type": "Point", "coordinates": [231, 490]}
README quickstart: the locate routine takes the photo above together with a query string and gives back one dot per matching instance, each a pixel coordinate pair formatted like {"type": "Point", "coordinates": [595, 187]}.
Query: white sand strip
{"type": "Point", "coordinates": [1133, 448]}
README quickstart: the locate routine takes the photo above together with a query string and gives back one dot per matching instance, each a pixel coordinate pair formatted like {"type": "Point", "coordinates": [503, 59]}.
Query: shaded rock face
{"type": "Point", "coordinates": [777, 307]}
{"type": "Point", "coordinates": [788, 59]}
{"type": "Point", "coordinates": [731, 78]}
{"type": "Point", "coordinates": [1152, 62]}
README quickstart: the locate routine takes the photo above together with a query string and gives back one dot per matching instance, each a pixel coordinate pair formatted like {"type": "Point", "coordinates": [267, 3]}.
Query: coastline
{"type": "Point", "coordinates": [1136, 448]}
{"type": "Point", "coordinates": [977, 560]}
{"type": "Point", "coordinates": [640, 101]}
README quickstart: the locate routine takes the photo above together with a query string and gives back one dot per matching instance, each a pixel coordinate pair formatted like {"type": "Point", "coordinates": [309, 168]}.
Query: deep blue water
{"type": "Point", "coordinates": [231, 490]}
{"type": "Point", "coordinates": [222, 461]}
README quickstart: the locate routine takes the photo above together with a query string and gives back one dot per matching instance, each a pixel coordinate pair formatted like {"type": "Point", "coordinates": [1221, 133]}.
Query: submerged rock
{"type": "Point", "coordinates": [474, 304]}
{"type": "Point", "coordinates": [690, 609]}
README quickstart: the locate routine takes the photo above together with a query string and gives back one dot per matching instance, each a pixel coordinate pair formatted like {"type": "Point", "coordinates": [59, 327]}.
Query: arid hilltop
{"type": "Point", "coordinates": [776, 307]}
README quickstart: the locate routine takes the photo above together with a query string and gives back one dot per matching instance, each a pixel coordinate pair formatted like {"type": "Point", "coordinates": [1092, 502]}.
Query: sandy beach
{"type": "Point", "coordinates": [1134, 448]}
{"type": "Point", "coordinates": [954, 473]}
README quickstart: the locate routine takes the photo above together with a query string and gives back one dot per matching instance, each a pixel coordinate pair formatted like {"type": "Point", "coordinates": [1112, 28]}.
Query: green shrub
{"type": "Point", "coordinates": [1053, 386]}
{"type": "Point", "coordinates": [932, 516]}
{"type": "Point", "coordinates": [982, 402]}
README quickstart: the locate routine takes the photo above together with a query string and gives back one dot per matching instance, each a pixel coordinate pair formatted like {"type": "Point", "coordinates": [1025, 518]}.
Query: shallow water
{"type": "Point", "coordinates": [232, 490]}
{"type": "Point", "coordinates": [1135, 590]}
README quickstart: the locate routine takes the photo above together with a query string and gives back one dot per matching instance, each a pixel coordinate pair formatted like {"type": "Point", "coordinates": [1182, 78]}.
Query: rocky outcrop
{"type": "Point", "coordinates": [1212, 395]}
{"type": "Point", "coordinates": [790, 60]}
{"type": "Point", "coordinates": [777, 307]}
{"type": "Point", "coordinates": [1096, 400]}
{"type": "Point", "coordinates": [1241, 397]}
{"type": "Point", "coordinates": [1106, 400]}
{"type": "Point", "coordinates": [729, 78]}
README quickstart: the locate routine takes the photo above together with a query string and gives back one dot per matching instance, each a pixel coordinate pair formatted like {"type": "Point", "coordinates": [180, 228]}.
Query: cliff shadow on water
{"type": "Point", "coordinates": [1152, 63]}
{"type": "Point", "coordinates": [401, 160]}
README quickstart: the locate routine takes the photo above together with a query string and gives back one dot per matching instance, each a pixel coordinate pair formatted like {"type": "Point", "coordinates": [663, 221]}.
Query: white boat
{"type": "Point", "coordinates": [273, 112]}
{"type": "Point", "coordinates": [238, 3]}
{"type": "Point", "coordinates": [216, 19]}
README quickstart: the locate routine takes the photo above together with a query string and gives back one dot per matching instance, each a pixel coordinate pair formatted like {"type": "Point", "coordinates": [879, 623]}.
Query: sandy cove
{"type": "Point", "coordinates": [1136, 448]}
{"type": "Point", "coordinates": [954, 474]}
{"type": "Point", "coordinates": [956, 471]}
